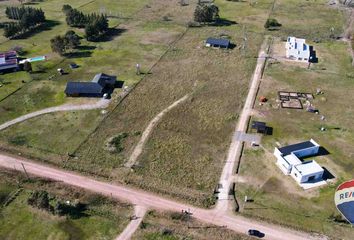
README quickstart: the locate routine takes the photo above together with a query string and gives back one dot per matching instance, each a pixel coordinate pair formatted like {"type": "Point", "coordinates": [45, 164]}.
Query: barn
{"type": "Point", "coordinates": [100, 84]}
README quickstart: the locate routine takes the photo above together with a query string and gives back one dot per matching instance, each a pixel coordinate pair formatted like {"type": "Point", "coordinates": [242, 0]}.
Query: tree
{"type": "Point", "coordinates": [72, 40]}
{"type": "Point", "coordinates": [66, 9]}
{"type": "Point", "coordinates": [27, 66]}
{"type": "Point", "coordinates": [58, 44]}
{"type": "Point", "coordinates": [206, 13]}
{"type": "Point", "coordinates": [92, 32]}
{"type": "Point", "coordinates": [12, 29]}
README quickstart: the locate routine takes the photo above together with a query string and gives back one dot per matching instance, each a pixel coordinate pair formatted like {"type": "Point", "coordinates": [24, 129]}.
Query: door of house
{"type": "Point", "coordinates": [311, 178]}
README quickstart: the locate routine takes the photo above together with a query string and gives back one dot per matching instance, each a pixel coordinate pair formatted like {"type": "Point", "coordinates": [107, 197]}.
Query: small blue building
{"type": "Point", "coordinates": [218, 43]}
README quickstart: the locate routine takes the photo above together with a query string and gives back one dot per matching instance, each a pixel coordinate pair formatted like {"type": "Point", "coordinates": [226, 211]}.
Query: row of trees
{"type": "Point", "coordinates": [95, 25]}
{"type": "Point", "coordinates": [42, 200]}
{"type": "Point", "coordinates": [27, 17]}
{"type": "Point", "coordinates": [61, 44]}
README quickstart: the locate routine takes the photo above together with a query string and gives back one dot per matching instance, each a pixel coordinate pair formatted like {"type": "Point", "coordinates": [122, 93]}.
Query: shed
{"type": "Point", "coordinates": [218, 42]}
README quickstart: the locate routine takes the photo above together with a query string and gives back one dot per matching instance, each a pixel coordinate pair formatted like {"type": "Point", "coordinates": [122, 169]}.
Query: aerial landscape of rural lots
{"type": "Point", "coordinates": [176, 119]}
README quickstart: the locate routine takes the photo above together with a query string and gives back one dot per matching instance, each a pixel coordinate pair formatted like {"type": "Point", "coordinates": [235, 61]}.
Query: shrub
{"type": "Point", "coordinates": [271, 23]}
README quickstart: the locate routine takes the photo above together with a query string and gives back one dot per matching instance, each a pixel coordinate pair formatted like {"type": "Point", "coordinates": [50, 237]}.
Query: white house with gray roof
{"type": "Point", "coordinates": [288, 160]}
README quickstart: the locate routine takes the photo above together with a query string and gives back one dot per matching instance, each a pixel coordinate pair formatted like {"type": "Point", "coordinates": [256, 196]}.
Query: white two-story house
{"type": "Point", "coordinates": [297, 49]}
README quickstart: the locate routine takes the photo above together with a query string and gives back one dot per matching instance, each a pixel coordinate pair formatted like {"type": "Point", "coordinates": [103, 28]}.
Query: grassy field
{"type": "Point", "coordinates": [134, 40]}
{"type": "Point", "coordinates": [55, 134]}
{"type": "Point", "coordinates": [277, 198]}
{"type": "Point", "coordinates": [313, 20]}
{"type": "Point", "coordinates": [103, 219]}
{"type": "Point", "coordinates": [185, 153]}
{"type": "Point", "coordinates": [174, 226]}
{"type": "Point", "coordinates": [142, 37]}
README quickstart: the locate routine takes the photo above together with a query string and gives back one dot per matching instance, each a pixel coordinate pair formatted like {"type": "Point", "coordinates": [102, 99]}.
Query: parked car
{"type": "Point", "coordinates": [255, 233]}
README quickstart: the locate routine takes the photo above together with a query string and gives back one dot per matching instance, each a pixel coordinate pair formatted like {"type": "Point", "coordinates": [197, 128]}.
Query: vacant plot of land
{"type": "Point", "coordinates": [313, 20]}
{"type": "Point", "coordinates": [278, 198]}
{"type": "Point", "coordinates": [56, 134]}
{"type": "Point", "coordinates": [102, 219]}
{"type": "Point", "coordinates": [186, 151]}
{"type": "Point", "coordinates": [174, 226]}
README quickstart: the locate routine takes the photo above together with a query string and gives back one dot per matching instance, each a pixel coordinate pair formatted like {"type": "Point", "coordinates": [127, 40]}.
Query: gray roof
{"type": "Point", "coordinates": [295, 147]}
{"type": "Point", "coordinates": [218, 42]}
{"type": "Point", "coordinates": [103, 79]}
{"type": "Point", "coordinates": [83, 88]}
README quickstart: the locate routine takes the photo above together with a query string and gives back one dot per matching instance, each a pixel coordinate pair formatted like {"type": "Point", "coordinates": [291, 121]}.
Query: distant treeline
{"type": "Point", "coordinates": [96, 25]}
{"type": "Point", "coordinates": [27, 17]}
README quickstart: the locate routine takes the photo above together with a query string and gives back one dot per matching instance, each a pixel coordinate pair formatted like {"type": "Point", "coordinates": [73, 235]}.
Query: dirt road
{"type": "Point", "coordinates": [139, 213]}
{"type": "Point", "coordinates": [139, 147]}
{"type": "Point", "coordinates": [235, 149]}
{"type": "Point", "coordinates": [148, 200]}
{"type": "Point", "coordinates": [102, 103]}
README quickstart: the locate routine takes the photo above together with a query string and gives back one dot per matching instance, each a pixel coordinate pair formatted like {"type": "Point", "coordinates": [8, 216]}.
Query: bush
{"type": "Point", "coordinates": [114, 144]}
{"type": "Point", "coordinates": [39, 199]}
{"type": "Point", "coordinates": [271, 23]}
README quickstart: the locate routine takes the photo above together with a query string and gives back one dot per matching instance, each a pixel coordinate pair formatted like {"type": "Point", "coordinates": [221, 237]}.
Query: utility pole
{"type": "Point", "coordinates": [24, 169]}
{"type": "Point", "coordinates": [244, 45]}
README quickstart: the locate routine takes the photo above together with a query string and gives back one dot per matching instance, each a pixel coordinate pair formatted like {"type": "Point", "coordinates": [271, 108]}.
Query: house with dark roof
{"type": "Point", "coordinates": [218, 43]}
{"type": "Point", "coordinates": [290, 163]}
{"type": "Point", "coordinates": [100, 84]}
{"type": "Point", "coordinates": [8, 61]}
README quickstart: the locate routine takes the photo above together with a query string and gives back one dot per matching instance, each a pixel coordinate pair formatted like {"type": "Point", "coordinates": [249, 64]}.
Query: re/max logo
{"type": "Point", "coordinates": [346, 195]}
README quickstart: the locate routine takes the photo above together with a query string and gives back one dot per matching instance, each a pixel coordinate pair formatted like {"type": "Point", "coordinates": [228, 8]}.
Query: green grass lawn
{"type": "Point", "coordinates": [116, 56]}
{"type": "Point", "coordinates": [10, 83]}
{"type": "Point", "coordinates": [308, 19]}
{"type": "Point", "coordinates": [174, 226]}
{"type": "Point", "coordinates": [55, 134]}
{"type": "Point", "coordinates": [277, 198]}
{"type": "Point", "coordinates": [103, 219]}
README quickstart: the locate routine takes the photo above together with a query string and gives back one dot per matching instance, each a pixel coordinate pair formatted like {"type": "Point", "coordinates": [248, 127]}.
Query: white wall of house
{"type": "Point", "coordinates": [297, 49]}
{"type": "Point", "coordinates": [300, 171]}
{"type": "Point", "coordinates": [309, 176]}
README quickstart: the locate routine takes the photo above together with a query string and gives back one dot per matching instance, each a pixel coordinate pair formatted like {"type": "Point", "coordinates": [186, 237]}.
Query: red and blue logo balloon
{"type": "Point", "coordinates": [344, 200]}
